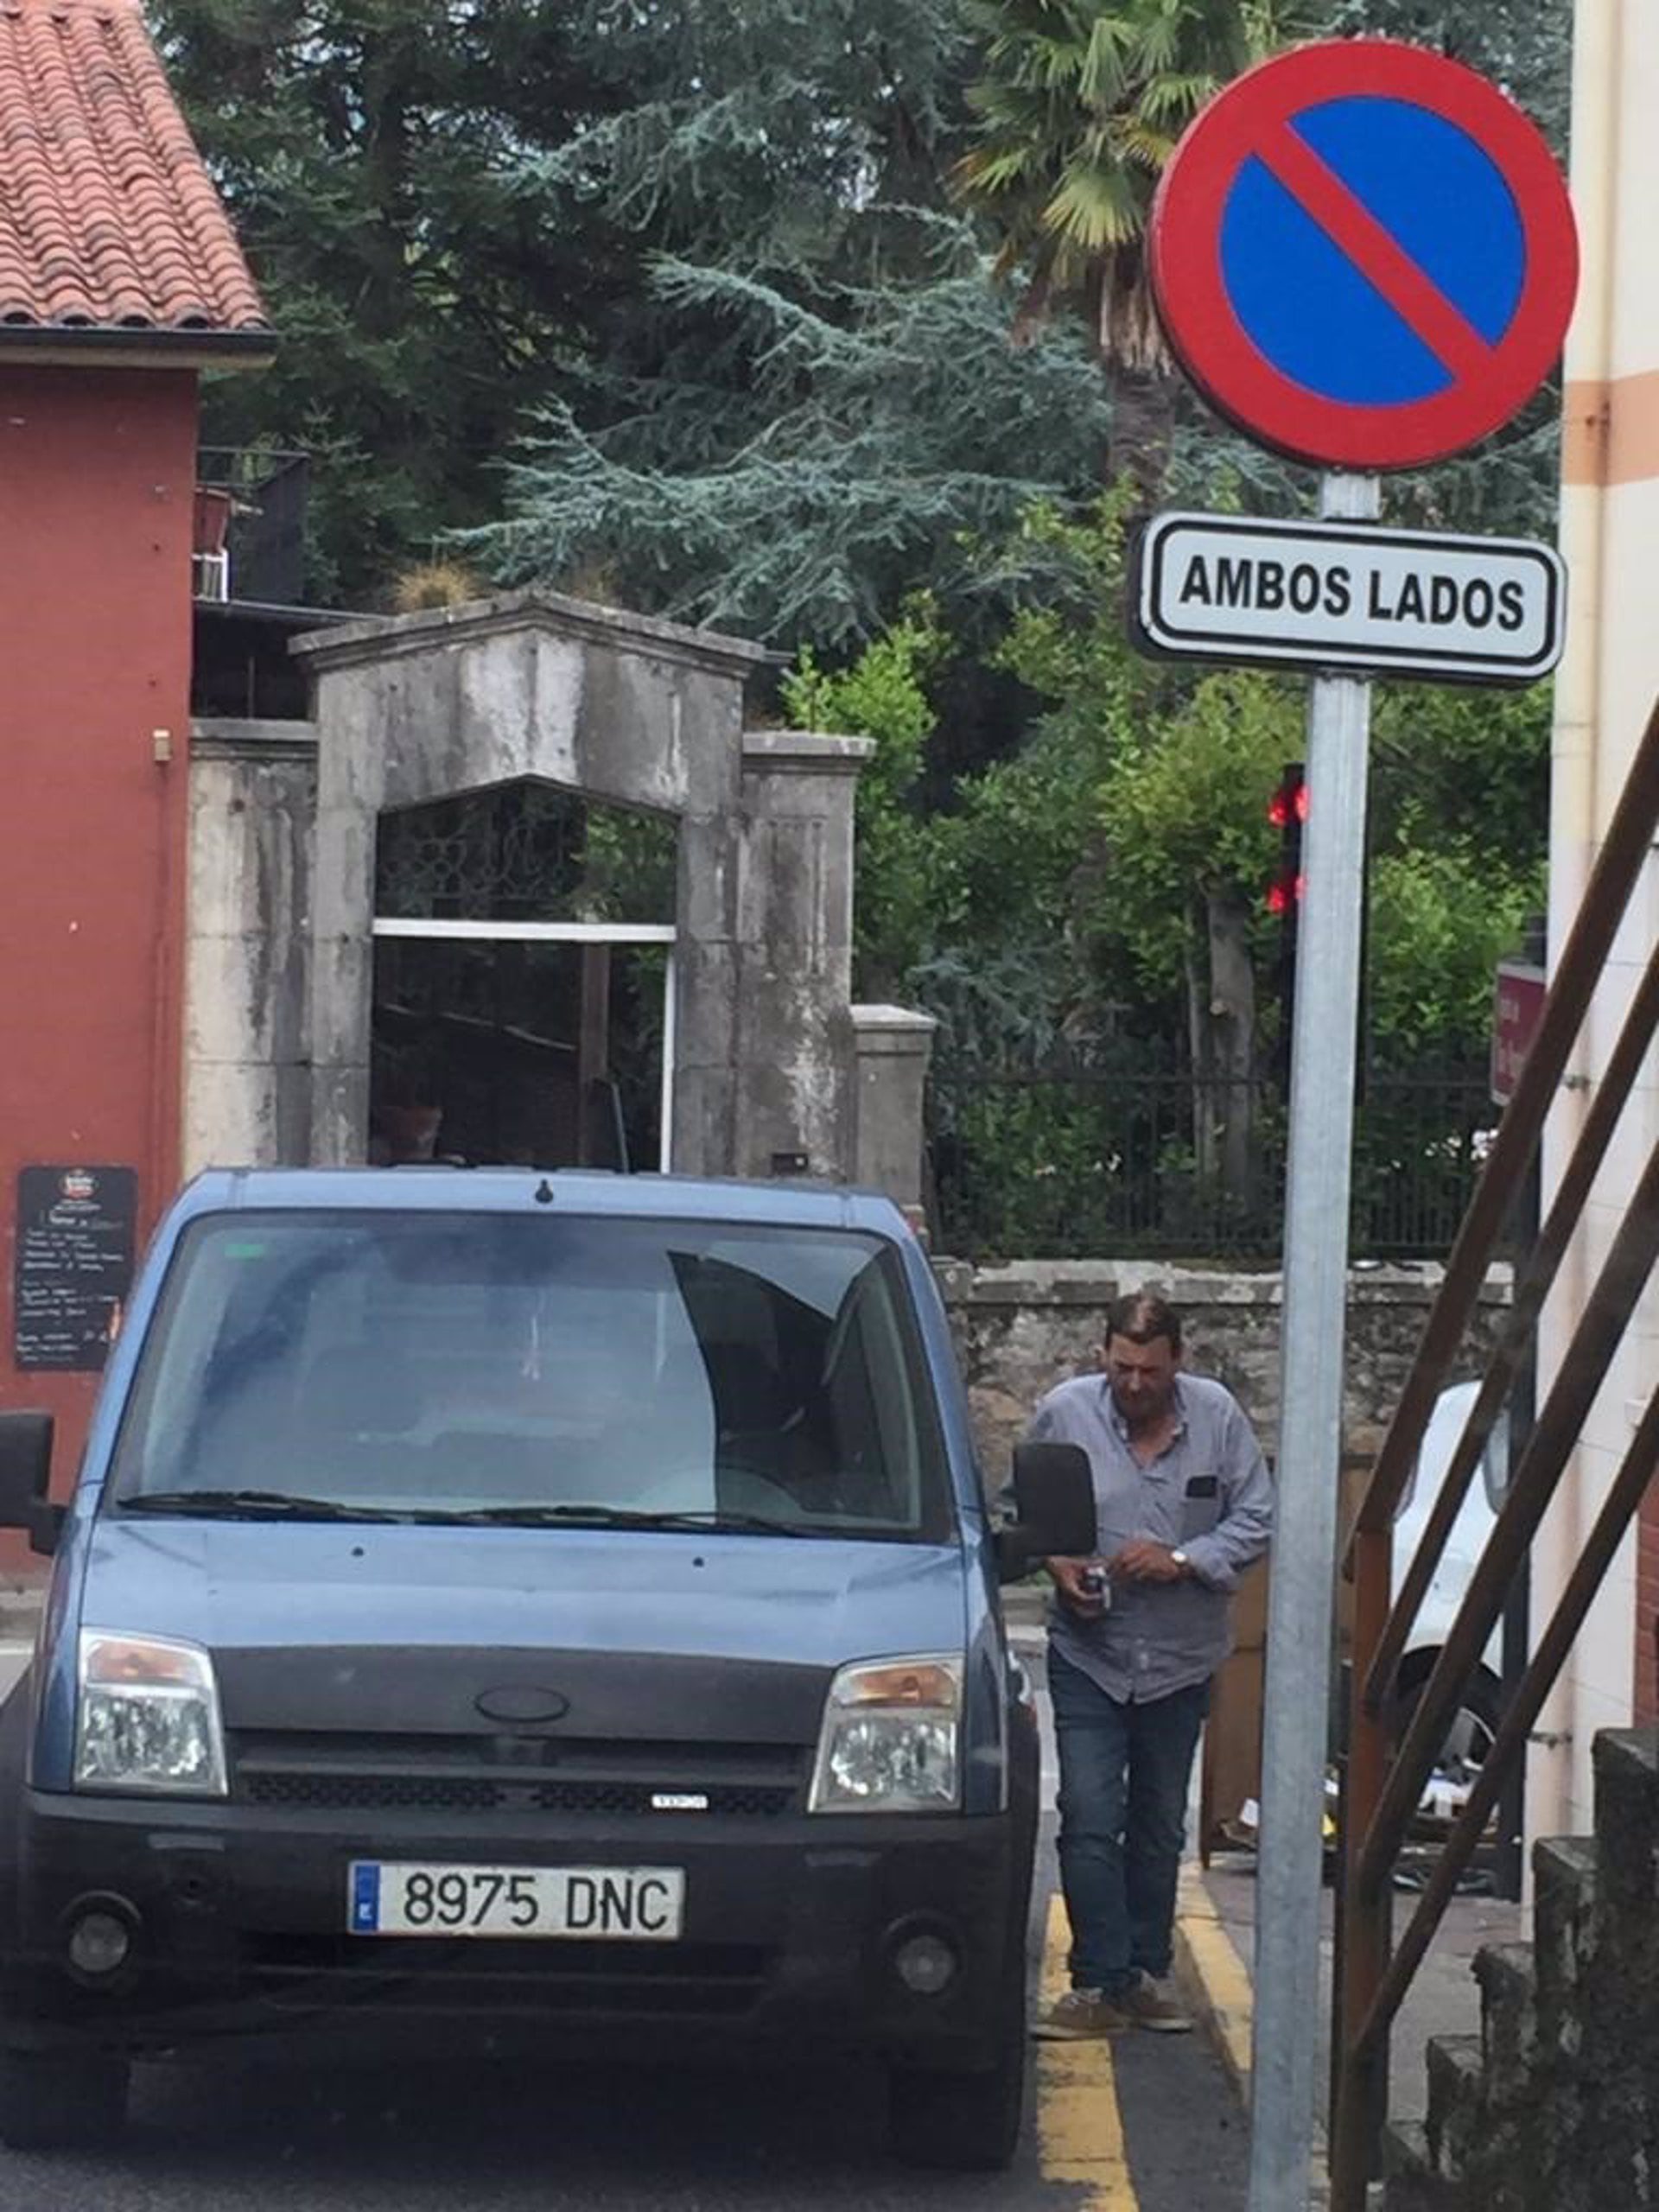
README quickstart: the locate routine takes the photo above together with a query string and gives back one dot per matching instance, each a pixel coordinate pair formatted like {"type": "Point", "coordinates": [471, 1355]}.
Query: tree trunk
{"type": "Point", "coordinates": [1231, 1040]}
{"type": "Point", "coordinates": [1221, 1019]}
{"type": "Point", "coordinates": [1197, 1039]}
{"type": "Point", "coordinates": [1143, 426]}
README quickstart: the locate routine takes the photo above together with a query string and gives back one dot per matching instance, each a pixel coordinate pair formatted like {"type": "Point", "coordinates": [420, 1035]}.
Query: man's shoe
{"type": "Point", "coordinates": [1079, 2016]}
{"type": "Point", "coordinates": [1153, 2005]}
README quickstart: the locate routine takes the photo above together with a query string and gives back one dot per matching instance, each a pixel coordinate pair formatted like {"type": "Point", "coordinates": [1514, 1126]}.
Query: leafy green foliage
{"type": "Point", "coordinates": [1186, 817]}
{"type": "Point", "coordinates": [1440, 924]}
{"type": "Point", "coordinates": [1169, 771]}
{"type": "Point", "coordinates": [882, 695]}
{"type": "Point", "coordinates": [876, 434]}
{"type": "Point", "coordinates": [629, 866]}
{"type": "Point", "coordinates": [1462, 766]}
{"type": "Point", "coordinates": [372, 155]}
{"type": "Point", "coordinates": [1523, 45]}
{"type": "Point", "coordinates": [1080, 103]}
{"type": "Point", "coordinates": [681, 281]}
{"type": "Point", "coordinates": [679, 303]}
{"type": "Point", "coordinates": [1459, 815]}
{"type": "Point", "coordinates": [1063, 899]}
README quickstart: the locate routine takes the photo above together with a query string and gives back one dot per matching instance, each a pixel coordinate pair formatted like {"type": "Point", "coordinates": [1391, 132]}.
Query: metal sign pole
{"type": "Point", "coordinates": [1284, 2061]}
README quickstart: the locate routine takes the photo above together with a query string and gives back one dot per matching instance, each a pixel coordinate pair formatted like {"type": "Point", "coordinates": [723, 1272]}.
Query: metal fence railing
{"type": "Point", "coordinates": [1387, 1763]}
{"type": "Point", "coordinates": [1065, 1161]}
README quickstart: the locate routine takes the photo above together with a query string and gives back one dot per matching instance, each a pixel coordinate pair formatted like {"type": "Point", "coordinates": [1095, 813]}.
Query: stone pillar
{"type": "Point", "coordinates": [358, 723]}
{"type": "Point", "coordinates": [794, 1109]}
{"type": "Point", "coordinates": [706, 968]}
{"type": "Point", "coordinates": [247, 1080]}
{"type": "Point", "coordinates": [892, 1046]}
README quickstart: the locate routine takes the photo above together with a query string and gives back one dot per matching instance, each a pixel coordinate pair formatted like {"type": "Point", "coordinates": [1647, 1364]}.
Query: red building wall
{"type": "Point", "coordinates": [97, 479]}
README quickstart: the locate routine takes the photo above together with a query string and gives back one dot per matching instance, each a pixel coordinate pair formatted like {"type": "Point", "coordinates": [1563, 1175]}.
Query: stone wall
{"type": "Point", "coordinates": [1022, 1328]}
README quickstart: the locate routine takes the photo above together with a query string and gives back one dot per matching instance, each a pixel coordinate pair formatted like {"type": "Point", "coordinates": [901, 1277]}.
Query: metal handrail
{"type": "Point", "coordinates": [1584, 1366]}
{"type": "Point", "coordinates": [1623, 856]}
{"type": "Point", "coordinates": [1515, 1342]}
{"type": "Point", "coordinates": [1383, 1788]}
{"type": "Point", "coordinates": [1635, 1472]}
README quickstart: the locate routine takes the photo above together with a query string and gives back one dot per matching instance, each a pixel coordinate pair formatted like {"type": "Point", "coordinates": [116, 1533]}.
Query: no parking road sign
{"type": "Point", "coordinates": [1364, 254]}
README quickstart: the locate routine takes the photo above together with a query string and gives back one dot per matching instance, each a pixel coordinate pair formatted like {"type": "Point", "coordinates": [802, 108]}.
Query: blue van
{"type": "Point", "coordinates": [530, 1607]}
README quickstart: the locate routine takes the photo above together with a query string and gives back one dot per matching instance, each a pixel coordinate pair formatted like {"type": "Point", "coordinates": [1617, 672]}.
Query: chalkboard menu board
{"type": "Point", "coordinates": [73, 1265]}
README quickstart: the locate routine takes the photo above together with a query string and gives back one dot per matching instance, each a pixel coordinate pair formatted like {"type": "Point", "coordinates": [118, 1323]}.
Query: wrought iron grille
{"type": "Point", "coordinates": [1055, 1159]}
{"type": "Point", "coordinates": [525, 851]}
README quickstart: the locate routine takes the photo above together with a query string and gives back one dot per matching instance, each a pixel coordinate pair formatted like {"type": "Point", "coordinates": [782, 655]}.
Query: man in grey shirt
{"type": "Point", "coordinates": [1183, 1504]}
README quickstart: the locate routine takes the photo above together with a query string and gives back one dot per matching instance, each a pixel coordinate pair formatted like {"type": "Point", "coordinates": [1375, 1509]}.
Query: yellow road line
{"type": "Point", "coordinates": [1079, 2128]}
{"type": "Point", "coordinates": [1208, 1961]}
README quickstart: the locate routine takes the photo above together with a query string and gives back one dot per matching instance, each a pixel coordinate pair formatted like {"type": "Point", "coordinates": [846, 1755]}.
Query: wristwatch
{"type": "Point", "coordinates": [1181, 1561]}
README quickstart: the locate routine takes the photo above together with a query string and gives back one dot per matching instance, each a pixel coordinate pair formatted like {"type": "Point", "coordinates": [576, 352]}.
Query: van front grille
{"type": "Point", "coordinates": [652, 1781]}
{"type": "Point", "coordinates": [385, 1792]}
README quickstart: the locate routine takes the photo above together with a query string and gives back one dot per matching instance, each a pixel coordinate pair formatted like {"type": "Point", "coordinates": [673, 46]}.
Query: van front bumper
{"type": "Point", "coordinates": [239, 1920]}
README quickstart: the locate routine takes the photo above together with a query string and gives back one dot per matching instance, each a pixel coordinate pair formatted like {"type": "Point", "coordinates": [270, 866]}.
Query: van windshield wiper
{"type": "Point", "coordinates": [254, 1505]}
{"type": "Point", "coordinates": [608, 1516]}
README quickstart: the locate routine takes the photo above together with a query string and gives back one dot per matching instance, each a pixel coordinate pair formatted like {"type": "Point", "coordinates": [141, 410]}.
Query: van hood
{"type": "Point", "coordinates": [350, 1603]}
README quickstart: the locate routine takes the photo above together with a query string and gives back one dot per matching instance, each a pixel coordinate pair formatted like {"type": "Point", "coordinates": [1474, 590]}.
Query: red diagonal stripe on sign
{"type": "Point", "coordinates": [1385, 265]}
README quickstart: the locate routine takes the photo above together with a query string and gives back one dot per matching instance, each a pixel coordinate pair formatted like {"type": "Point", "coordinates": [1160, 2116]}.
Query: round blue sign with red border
{"type": "Point", "coordinates": [1364, 254]}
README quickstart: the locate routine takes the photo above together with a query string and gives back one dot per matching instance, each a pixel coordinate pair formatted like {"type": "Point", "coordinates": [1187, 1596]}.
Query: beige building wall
{"type": "Point", "coordinates": [1605, 690]}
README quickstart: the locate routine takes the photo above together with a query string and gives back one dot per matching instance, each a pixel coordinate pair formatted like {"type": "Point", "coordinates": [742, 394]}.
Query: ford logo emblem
{"type": "Point", "coordinates": [522, 1702]}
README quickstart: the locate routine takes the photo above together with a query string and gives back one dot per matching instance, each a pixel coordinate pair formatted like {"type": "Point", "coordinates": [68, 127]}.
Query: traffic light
{"type": "Point", "coordinates": [1287, 809]}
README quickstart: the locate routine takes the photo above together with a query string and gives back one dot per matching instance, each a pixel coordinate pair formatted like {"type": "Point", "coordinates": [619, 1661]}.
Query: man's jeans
{"type": "Point", "coordinates": [1125, 1771]}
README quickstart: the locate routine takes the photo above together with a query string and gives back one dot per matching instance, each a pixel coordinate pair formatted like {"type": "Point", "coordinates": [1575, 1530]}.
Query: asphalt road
{"type": "Point", "coordinates": [1151, 2126]}
{"type": "Point", "coordinates": [242, 2133]}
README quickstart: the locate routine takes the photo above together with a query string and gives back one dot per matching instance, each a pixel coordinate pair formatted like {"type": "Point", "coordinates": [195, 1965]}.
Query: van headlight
{"type": "Point", "coordinates": [147, 1717]}
{"type": "Point", "coordinates": [889, 1740]}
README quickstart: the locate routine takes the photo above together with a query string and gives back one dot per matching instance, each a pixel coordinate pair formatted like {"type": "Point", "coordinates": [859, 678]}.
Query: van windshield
{"type": "Point", "coordinates": [435, 1366]}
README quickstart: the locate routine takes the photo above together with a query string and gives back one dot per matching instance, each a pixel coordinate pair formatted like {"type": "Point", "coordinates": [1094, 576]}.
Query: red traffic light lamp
{"type": "Point", "coordinates": [1289, 802]}
{"type": "Point", "coordinates": [1288, 811]}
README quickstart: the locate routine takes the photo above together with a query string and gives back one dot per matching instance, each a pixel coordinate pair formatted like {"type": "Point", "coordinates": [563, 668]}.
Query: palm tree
{"type": "Point", "coordinates": [1080, 104]}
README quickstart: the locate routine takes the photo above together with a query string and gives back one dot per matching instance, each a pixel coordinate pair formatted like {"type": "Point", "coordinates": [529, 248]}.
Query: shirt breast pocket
{"type": "Point", "coordinates": [1200, 1507]}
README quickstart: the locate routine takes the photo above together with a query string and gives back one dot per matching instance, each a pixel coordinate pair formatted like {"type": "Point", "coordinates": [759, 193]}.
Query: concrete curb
{"type": "Point", "coordinates": [1213, 1975]}
{"type": "Point", "coordinates": [21, 1606]}
{"type": "Point", "coordinates": [1025, 1603]}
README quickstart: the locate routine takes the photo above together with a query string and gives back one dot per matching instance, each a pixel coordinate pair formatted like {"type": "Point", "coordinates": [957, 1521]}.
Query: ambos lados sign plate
{"type": "Point", "coordinates": [1345, 596]}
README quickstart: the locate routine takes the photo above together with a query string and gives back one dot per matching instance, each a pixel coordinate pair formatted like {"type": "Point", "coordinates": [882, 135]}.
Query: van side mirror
{"type": "Point", "coordinates": [1054, 1496]}
{"type": "Point", "coordinates": [25, 1470]}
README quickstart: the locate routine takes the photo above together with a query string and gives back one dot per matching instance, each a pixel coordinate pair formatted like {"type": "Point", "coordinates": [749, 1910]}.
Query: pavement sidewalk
{"type": "Point", "coordinates": [1216, 1941]}
{"type": "Point", "coordinates": [1215, 1944]}
{"type": "Point", "coordinates": [21, 1596]}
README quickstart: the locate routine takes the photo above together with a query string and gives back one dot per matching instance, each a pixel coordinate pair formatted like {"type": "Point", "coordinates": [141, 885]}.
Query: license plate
{"type": "Point", "coordinates": [639, 1904]}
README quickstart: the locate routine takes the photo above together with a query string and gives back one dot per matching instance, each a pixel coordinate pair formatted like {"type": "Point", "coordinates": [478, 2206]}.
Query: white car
{"type": "Point", "coordinates": [1471, 1734]}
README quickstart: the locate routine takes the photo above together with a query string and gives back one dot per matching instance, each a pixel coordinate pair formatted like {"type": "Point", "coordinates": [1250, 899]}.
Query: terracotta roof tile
{"type": "Point", "coordinates": [108, 220]}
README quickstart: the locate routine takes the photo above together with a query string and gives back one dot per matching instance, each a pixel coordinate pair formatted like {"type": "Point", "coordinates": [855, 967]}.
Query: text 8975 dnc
{"type": "Point", "coordinates": [1332, 595]}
